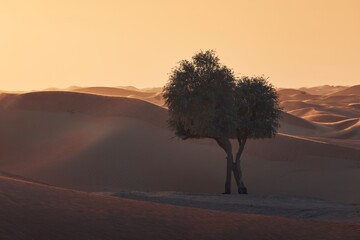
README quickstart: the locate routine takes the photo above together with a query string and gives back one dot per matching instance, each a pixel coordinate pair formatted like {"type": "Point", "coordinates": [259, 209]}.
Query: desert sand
{"type": "Point", "coordinates": [270, 205]}
{"type": "Point", "coordinates": [116, 140]}
{"type": "Point", "coordinates": [35, 211]}
{"type": "Point", "coordinates": [152, 95]}
{"type": "Point", "coordinates": [99, 143]}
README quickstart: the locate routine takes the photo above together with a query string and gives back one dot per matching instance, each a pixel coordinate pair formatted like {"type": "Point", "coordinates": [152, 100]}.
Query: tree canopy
{"type": "Point", "coordinates": [257, 105]}
{"type": "Point", "coordinates": [206, 100]}
{"type": "Point", "coordinates": [200, 98]}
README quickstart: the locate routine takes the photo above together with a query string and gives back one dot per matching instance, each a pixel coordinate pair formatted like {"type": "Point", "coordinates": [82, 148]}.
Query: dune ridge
{"type": "Point", "coordinates": [353, 90]}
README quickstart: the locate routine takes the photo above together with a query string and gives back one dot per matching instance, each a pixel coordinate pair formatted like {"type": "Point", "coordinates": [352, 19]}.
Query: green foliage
{"type": "Point", "coordinates": [258, 108]}
{"type": "Point", "coordinates": [205, 100]}
{"type": "Point", "coordinates": [199, 96]}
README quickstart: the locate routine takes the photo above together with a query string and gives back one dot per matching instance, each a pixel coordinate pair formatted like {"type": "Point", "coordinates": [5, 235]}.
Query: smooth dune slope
{"type": "Point", "coordinates": [88, 104]}
{"type": "Point", "coordinates": [99, 143]}
{"type": "Point", "coordinates": [121, 92]}
{"type": "Point", "coordinates": [34, 211]}
{"type": "Point", "coordinates": [152, 95]}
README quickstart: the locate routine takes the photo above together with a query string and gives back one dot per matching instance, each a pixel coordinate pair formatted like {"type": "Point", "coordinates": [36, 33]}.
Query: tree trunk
{"type": "Point", "coordinates": [226, 145]}
{"type": "Point", "coordinates": [236, 167]}
{"type": "Point", "coordinates": [229, 164]}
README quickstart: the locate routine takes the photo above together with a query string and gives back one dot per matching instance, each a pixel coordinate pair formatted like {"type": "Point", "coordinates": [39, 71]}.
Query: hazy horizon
{"type": "Point", "coordinates": [145, 88]}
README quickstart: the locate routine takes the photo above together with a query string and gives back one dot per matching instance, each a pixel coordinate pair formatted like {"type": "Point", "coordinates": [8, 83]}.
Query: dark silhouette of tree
{"type": "Point", "coordinates": [206, 100]}
{"type": "Point", "coordinates": [258, 115]}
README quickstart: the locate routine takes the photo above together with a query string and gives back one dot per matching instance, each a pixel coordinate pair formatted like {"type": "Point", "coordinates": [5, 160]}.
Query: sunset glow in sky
{"type": "Point", "coordinates": [49, 43]}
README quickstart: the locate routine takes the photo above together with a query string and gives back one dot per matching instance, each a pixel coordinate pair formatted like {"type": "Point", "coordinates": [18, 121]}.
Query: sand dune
{"type": "Point", "coordinates": [89, 104]}
{"type": "Point", "coordinates": [18, 178]}
{"type": "Point", "coordinates": [152, 95]}
{"type": "Point", "coordinates": [323, 90]}
{"type": "Point", "coordinates": [351, 133]}
{"type": "Point", "coordinates": [328, 113]}
{"type": "Point", "coordinates": [354, 105]}
{"type": "Point", "coordinates": [324, 117]}
{"type": "Point", "coordinates": [34, 211]}
{"type": "Point", "coordinates": [96, 142]}
{"type": "Point", "coordinates": [99, 143]}
{"type": "Point", "coordinates": [302, 109]}
{"type": "Point", "coordinates": [294, 94]}
{"type": "Point", "coordinates": [153, 89]}
{"type": "Point", "coordinates": [312, 114]}
{"type": "Point", "coordinates": [290, 92]}
{"type": "Point", "coordinates": [337, 101]}
{"type": "Point", "coordinates": [302, 112]}
{"type": "Point", "coordinates": [111, 91]}
{"type": "Point", "coordinates": [344, 124]}
{"type": "Point", "coordinates": [129, 88]}
{"type": "Point", "coordinates": [294, 125]}
{"type": "Point", "coordinates": [353, 90]}
{"type": "Point", "coordinates": [344, 129]}
{"type": "Point", "coordinates": [290, 105]}
{"type": "Point", "coordinates": [291, 99]}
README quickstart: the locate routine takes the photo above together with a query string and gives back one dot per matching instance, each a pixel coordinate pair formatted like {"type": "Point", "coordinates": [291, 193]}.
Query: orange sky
{"type": "Point", "coordinates": [49, 43]}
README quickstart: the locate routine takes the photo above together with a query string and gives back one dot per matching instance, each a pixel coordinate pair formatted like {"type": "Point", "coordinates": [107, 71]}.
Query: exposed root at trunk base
{"type": "Point", "coordinates": [242, 190]}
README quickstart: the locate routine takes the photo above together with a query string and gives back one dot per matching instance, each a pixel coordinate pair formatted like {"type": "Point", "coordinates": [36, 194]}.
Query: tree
{"type": "Point", "coordinates": [206, 100]}
{"type": "Point", "coordinates": [258, 115]}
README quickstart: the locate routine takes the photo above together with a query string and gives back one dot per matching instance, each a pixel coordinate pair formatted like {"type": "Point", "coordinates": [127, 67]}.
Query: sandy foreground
{"type": "Point", "coordinates": [290, 207]}
{"type": "Point", "coordinates": [35, 211]}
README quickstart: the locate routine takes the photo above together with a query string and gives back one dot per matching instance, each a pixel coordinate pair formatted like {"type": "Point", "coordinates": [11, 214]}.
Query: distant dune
{"type": "Point", "coordinates": [80, 103]}
{"type": "Point", "coordinates": [323, 90]}
{"type": "Point", "coordinates": [354, 90]}
{"type": "Point", "coordinates": [35, 211]}
{"type": "Point", "coordinates": [294, 94]}
{"type": "Point", "coordinates": [121, 92]}
{"type": "Point", "coordinates": [333, 105]}
{"type": "Point", "coordinates": [324, 117]}
{"type": "Point", "coordinates": [290, 105]}
{"type": "Point", "coordinates": [354, 105]}
{"type": "Point", "coordinates": [152, 95]}
{"type": "Point", "coordinates": [294, 125]}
